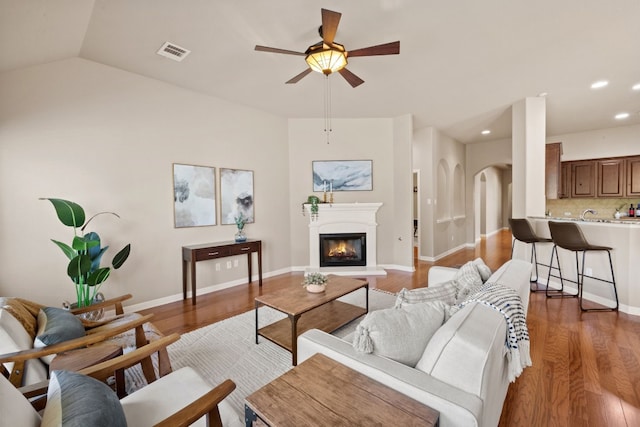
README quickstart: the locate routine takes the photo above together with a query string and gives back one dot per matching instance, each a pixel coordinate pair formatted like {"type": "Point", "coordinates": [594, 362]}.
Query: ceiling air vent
{"type": "Point", "coordinates": [173, 51]}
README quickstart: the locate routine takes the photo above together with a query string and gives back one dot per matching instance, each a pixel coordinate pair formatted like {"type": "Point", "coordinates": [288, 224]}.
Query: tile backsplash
{"type": "Point", "coordinates": [606, 208]}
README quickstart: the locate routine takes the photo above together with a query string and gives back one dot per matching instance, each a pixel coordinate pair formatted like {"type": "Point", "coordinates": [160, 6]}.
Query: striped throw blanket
{"type": "Point", "coordinates": [507, 302]}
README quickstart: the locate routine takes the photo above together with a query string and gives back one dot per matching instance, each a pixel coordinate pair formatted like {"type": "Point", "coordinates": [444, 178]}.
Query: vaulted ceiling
{"type": "Point", "coordinates": [462, 63]}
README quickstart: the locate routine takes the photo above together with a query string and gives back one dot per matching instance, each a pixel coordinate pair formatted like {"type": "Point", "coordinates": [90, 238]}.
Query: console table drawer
{"type": "Point", "coordinates": [243, 248]}
{"type": "Point", "coordinates": [212, 253]}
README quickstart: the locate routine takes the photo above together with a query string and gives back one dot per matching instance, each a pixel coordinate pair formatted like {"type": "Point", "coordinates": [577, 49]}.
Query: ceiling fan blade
{"type": "Point", "coordinates": [276, 50]}
{"type": "Point", "coordinates": [330, 21]}
{"type": "Point", "coordinates": [392, 48]}
{"type": "Point", "coordinates": [299, 77]}
{"type": "Point", "coordinates": [351, 78]}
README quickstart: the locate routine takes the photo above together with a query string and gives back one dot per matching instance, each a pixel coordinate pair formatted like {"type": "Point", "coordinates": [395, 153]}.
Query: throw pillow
{"type": "Point", "coordinates": [483, 269]}
{"type": "Point", "coordinates": [467, 279]}
{"type": "Point", "coordinates": [400, 334]}
{"type": "Point", "coordinates": [76, 400]}
{"type": "Point", "coordinates": [445, 292]}
{"type": "Point", "coordinates": [56, 325]}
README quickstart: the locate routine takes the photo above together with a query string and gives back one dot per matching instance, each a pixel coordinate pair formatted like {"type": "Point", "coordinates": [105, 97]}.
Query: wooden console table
{"type": "Point", "coordinates": [205, 251]}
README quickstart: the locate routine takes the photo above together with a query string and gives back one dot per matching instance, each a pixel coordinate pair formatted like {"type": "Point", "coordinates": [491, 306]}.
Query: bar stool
{"type": "Point", "coordinates": [568, 236]}
{"type": "Point", "coordinates": [523, 232]}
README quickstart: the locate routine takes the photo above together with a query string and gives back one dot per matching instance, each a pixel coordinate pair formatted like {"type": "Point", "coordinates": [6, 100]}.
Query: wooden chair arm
{"type": "Point", "coordinates": [104, 370]}
{"type": "Point", "coordinates": [116, 302]}
{"type": "Point", "coordinates": [92, 338]}
{"type": "Point", "coordinates": [205, 405]}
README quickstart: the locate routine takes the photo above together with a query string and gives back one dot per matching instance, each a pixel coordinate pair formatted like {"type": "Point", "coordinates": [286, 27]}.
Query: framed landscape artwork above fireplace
{"type": "Point", "coordinates": [342, 175]}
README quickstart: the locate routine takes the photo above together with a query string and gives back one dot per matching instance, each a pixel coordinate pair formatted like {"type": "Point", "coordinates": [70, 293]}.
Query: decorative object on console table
{"type": "Point", "coordinates": [315, 282]}
{"type": "Point", "coordinates": [85, 252]}
{"type": "Point", "coordinates": [194, 195]}
{"type": "Point", "coordinates": [240, 236]}
{"type": "Point", "coordinates": [342, 175]}
{"type": "Point", "coordinates": [194, 253]}
{"type": "Point", "coordinates": [236, 195]}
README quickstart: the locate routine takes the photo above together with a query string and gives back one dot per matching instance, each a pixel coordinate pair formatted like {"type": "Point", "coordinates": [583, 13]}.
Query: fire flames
{"type": "Point", "coordinates": [342, 250]}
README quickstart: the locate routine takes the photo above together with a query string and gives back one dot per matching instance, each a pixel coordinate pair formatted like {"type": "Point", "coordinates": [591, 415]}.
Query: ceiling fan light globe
{"type": "Point", "coordinates": [327, 61]}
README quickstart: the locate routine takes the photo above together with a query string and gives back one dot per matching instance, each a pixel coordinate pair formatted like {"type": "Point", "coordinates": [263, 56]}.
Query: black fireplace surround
{"type": "Point", "coordinates": [343, 250]}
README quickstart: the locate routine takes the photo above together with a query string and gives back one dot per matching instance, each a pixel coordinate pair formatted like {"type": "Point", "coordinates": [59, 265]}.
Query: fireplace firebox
{"type": "Point", "coordinates": [343, 250]}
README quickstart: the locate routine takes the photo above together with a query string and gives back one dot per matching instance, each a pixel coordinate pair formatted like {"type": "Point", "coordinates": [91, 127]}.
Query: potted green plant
{"type": "Point", "coordinates": [315, 282]}
{"type": "Point", "coordinates": [240, 223]}
{"type": "Point", "coordinates": [85, 252]}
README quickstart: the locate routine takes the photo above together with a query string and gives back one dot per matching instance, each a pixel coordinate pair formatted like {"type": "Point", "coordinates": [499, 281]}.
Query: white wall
{"type": "Point", "coordinates": [611, 142]}
{"type": "Point", "coordinates": [479, 156]}
{"type": "Point", "coordinates": [107, 139]}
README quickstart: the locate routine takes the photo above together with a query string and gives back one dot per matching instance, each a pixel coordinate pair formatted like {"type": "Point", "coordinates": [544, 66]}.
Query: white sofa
{"type": "Point", "coordinates": [467, 374]}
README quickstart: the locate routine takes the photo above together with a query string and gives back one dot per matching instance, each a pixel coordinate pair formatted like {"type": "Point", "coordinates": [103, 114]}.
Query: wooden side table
{"type": "Point", "coordinates": [323, 392]}
{"type": "Point", "coordinates": [76, 360]}
{"type": "Point", "coordinates": [205, 251]}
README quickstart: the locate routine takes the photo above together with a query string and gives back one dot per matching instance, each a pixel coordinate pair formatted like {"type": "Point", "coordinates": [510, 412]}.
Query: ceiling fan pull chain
{"type": "Point", "coordinates": [327, 108]}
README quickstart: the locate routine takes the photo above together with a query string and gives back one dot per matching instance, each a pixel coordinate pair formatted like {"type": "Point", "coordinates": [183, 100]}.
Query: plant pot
{"type": "Point", "coordinates": [316, 288]}
{"type": "Point", "coordinates": [240, 236]}
{"type": "Point", "coordinates": [93, 315]}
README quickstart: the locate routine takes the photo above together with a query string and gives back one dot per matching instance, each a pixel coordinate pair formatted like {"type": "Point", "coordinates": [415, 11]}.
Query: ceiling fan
{"type": "Point", "coordinates": [327, 56]}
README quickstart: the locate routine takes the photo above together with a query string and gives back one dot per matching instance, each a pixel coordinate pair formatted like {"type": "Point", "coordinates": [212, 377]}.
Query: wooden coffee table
{"type": "Point", "coordinates": [306, 311]}
{"type": "Point", "coordinates": [323, 392]}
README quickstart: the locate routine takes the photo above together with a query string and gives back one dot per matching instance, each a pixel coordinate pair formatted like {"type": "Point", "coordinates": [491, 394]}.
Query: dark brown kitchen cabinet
{"type": "Point", "coordinates": [610, 178]}
{"type": "Point", "coordinates": [552, 170]}
{"type": "Point", "coordinates": [583, 178]}
{"type": "Point", "coordinates": [632, 165]}
{"type": "Point", "coordinates": [565, 180]}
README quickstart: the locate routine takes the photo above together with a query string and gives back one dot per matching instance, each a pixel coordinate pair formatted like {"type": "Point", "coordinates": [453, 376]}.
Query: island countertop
{"type": "Point", "coordinates": [623, 235]}
{"type": "Point", "coordinates": [624, 220]}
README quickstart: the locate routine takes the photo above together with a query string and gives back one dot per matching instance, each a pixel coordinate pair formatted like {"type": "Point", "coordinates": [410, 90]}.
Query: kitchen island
{"type": "Point", "coordinates": [623, 235]}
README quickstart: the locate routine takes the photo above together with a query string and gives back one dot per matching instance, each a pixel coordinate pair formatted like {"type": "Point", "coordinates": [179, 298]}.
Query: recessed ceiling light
{"type": "Point", "coordinates": [636, 86]}
{"type": "Point", "coordinates": [599, 84]}
{"type": "Point", "coordinates": [622, 116]}
{"type": "Point", "coordinates": [486, 132]}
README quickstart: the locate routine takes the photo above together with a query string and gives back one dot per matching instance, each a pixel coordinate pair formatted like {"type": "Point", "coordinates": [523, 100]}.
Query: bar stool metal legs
{"type": "Point", "coordinates": [558, 293]}
{"type": "Point", "coordinates": [612, 282]}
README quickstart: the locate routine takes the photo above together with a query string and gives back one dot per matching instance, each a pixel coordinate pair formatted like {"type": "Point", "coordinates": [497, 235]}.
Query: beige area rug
{"type": "Point", "coordinates": [227, 349]}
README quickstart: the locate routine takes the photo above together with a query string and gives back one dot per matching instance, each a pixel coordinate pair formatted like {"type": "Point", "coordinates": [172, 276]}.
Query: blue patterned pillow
{"type": "Point", "coordinates": [76, 400]}
{"type": "Point", "coordinates": [56, 325]}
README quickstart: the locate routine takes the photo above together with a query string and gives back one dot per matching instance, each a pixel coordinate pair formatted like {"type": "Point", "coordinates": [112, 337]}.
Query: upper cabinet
{"type": "Point", "coordinates": [583, 178]}
{"type": "Point", "coordinates": [565, 180]}
{"type": "Point", "coordinates": [615, 177]}
{"type": "Point", "coordinates": [610, 178]}
{"type": "Point", "coordinates": [632, 165]}
{"type": "Point", "coordinates": [552, 170]}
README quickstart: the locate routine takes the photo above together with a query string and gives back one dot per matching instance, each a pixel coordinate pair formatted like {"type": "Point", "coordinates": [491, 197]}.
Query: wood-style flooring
{"type": "Point", "coordinates": [586, 366]}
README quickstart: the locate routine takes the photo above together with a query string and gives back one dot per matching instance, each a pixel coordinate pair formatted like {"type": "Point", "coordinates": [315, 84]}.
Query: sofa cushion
{"type": "Point", "coordinates": [15, 409]}
{"type": "Point", "coordinates": [445, 292]}
{"type": "Point", "coordinates": [56, 325]}
{"type": "Point", "coordinates": [483, 269]}
{"type": "Point", "coordinates": [78, 400]}
{"type": "Point", "coordinates": [467, 279]}
{"type": "Point", "coordinates": [13, 337]}
{"type": "Point", "coordinates": [400, 334]}
{"type": "Point", "coordinates": [184, 386]}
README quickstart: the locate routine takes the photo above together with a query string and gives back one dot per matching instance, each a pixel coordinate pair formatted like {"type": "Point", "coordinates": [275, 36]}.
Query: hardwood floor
{"type": "Point", "coordinates": [586, 366]}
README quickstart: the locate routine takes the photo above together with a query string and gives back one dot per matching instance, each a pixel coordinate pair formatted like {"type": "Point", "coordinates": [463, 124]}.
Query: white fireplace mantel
{"type": "Point", "coordinates": [344, 218]}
